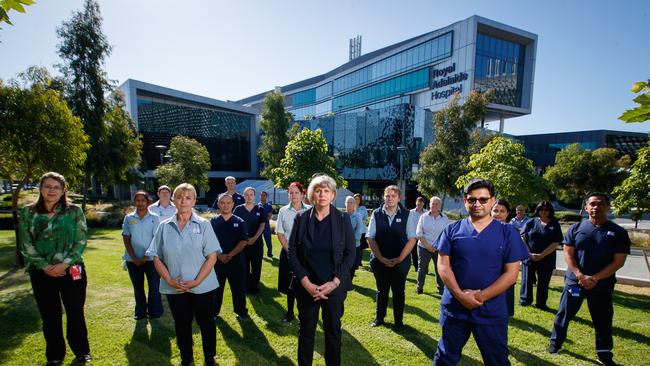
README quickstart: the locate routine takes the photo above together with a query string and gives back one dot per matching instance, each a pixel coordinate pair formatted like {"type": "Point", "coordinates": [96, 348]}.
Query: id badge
{"type": "Point", "coordinates": [574, 290]}
{"type": "Point", "coordinates": [75, 272]}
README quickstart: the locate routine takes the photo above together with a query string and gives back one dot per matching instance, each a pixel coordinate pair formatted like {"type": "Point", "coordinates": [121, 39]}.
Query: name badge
{"type": "Point", "coordinates": [610, 233]}
{"type": "Point", "coordinates": [398, 220]}
{"type": "Point", "coordinates": [196, 230]}
{"type": "Point", "coordinates": [235, 224]}
{"type": "Point", "coordinates": [550, 227]}
{"type": "Point", "coordinates": [133, 222]}
{"type": "Point", "coordinates": [257, 213]}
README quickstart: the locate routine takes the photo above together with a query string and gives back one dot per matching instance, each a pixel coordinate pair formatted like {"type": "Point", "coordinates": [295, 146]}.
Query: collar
{"type": "Point", "coordinates": [171, 204]}
{"type": "Point", "coordinates": [399, 209]}
{"type": "Point", "coordinates": [303, 207]}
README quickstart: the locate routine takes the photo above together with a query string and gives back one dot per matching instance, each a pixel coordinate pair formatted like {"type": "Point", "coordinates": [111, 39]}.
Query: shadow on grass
{"type": "Point", "coordinates": [19, 317]}
{"type": "Point", "coordinates": [352, 349]}
{"type": "Point", "coordinates": [241, 344]}
{"type": "Point", "coordinates": [407, 308]}
{"type": "Point", "coordinates": [154, 348]}
{"type": "Point", "coordinates": [631, 301]}
{"type": "Point", "coordinates": [267, 307]}
{"type": "Point", "coordinates": [528, 358]}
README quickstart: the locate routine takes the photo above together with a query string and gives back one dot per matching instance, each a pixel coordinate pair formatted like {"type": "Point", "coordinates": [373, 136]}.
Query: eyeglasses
{"type": "Point", "coordinates": [481, 200]}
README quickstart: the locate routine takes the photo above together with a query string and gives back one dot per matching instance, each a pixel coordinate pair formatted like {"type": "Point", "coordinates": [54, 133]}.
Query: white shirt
{"type": "Point", "coordinates": [164, 212]}
{"type": "Point", "coordinates": [431, 227]}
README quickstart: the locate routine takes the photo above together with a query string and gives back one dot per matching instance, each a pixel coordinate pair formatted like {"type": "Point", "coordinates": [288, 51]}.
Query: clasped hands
{"type": "Point", "coordinates": [55, 270]}
{"type": "Point", "coordinates": [587, 282]}
{"type": "Point", "coordinates": [320, 292]}
{"type": "Point", "coordinates": [392, 262]}
{"type": "Point", "coordinates": [180, 285]}
{"type": "Point", "coordinates": [471, 299]}
{"type": "Point", "coordinates": [224, 258]}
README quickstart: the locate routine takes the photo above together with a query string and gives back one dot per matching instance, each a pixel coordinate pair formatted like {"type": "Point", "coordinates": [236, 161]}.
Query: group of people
{"type": "Point", "coordinates": [189, 259]}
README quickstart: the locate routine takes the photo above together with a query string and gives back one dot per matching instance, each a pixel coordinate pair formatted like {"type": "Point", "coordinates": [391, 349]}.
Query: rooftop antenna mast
{"type": "Point", "coordinates": [355, 47]}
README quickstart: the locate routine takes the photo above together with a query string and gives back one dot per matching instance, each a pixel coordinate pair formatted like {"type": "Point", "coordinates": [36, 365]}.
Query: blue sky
{"type": "Point", "coordinates": [589, 52]}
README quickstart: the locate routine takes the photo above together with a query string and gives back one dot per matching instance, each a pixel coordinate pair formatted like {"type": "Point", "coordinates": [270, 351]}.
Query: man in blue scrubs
{"type": "Point", "coordinates": [478, 260]}
{"type": "Point", "coordinates": [237, 198]}
{"type": "Point", "coordinates": [233, 237]}
{"type": "Point", "coordinates": [594, 250]}
{"type": "Point", "coordinates": [268, 210]}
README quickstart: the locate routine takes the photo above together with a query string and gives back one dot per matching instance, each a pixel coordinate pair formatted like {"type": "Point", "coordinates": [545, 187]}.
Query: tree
{"type": "Point", "coordinates": [633, 194]}
{"type": "Point", "coordinates": [642, 112]}
{"type": "Point", "coordinates": [38, 133]}
{"type": "Point", "coordinates": [306, 155]}
{"type": "Point", "coordinates": [84, 49]}
{"type": "Point", "coordinates": [17, 5]}
{"type": "Point", "coordinates": [274, 123]}
{"type": "Point", "coordinates": [189, 162]}
{"type": "Point", "coordinates": [578, 171]}
{"type": "Point", "coordinates": [120, 143]}
{"type": "Point", "coordinates": [502, 161]}
{"type": "Point", "coordinates": [443, 161]}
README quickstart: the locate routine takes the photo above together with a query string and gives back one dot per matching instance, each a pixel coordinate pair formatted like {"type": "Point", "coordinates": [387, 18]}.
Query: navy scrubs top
{"type": "Point", "coordinates": [237, 199]}
{"type": "Point", "coordinates": [595, 247]}
{"type": "Point", "coordinates": [540, 237]}
{"type": "Point", "coordinates": [253, 218]}
{"type": "Point", "coordinates": [229, 233]}
{"type": "Point", "coordinates": [477, 260]}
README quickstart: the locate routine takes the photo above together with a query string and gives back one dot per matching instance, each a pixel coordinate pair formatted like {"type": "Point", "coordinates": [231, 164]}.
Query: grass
{"type": "Point", "coordinates": [116, 339]}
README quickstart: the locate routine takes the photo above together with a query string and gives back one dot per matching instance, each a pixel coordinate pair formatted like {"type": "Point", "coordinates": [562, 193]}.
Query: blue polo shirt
{"type": "Point", "coordinates": [253, 218]}
{"type": "Point", "coordinates": [541, 236]}
{"type": "Point", "coordinates": [141, 231]}
{"type": "Point", "coordinates": [229, 233]}
{"type": "Point", "coordinates": [595, 247]}
{"type": "Point", "coordinates": [477, 260]}
{"type": "Point", "coordinates": [184, 252]}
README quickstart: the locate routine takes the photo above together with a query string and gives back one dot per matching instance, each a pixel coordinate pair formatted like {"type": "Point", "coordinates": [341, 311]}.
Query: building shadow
{"type": "Point", "coordinates": [20, 318]}
{"type": "Point", "coordinates": [251, 347]}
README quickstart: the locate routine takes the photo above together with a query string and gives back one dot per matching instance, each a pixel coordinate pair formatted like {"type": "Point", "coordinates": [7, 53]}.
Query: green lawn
{"type": "Point", "coordinates": [116, 339]}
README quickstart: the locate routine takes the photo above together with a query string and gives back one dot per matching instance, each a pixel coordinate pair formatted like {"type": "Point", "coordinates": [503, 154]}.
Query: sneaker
{"type": "Point", "coordinates": [54, 362]}
{"type": "Point", "coordinates": [606, 359]}
{"type": "Point", "coordinates": [288, 318]}
{"type": "Point", "coordinates": [243, 317]}
{"type": "Point", "coordinates": [553, 349]}
{"type": "Point", "coordinates": [84, 358]}
{"type": "Point", "coordinates": [419, 291]}
{"type": "Point", "coordinates": [377, 323]}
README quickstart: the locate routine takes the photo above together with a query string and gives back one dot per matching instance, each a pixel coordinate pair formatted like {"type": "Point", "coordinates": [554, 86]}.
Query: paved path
{"type": "Point", "coordinates": [634, 272]}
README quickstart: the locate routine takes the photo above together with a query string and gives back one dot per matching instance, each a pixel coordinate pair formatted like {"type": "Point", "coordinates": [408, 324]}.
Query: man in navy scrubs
{"type": "Point", "coordinates": [237, 198]}
{"type": "Point", "coordinates": [594, 250]}
{"type": "Point", "coordinates": [478, 261]}
{"type": "Point", "coordinates": [233, 237]}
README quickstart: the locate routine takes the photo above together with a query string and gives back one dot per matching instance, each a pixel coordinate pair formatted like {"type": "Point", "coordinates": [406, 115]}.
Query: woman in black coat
{"type": "Point", "coordinates": [321, 254]}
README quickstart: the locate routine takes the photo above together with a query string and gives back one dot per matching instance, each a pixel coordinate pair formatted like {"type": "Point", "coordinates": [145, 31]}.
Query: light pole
{"type": "Point", "coordinates": [161, 149]}
{"type": "Point", "coordinates": [402, 184]}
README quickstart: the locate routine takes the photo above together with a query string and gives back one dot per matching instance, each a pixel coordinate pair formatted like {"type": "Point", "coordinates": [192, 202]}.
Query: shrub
{"type": "Point", "coordinates": [567, 216]}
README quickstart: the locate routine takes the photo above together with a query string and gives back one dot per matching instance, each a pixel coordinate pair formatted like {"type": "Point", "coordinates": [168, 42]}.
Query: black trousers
{"type": "Point", "coordinates": [234, 271]}
{"type": "Point", "coordinates": [253, 255]}
{"type": "Point", "coordinates": [143, 306]}
{"type": "Point", "coordinates": [599, 301]}
{"type": "Point", "coordinates": [529, 271]}
{"type": "Point", "coordinates": [187, 306]}
{"type": "Point", "coordinates": [332, 310]}
{"type": "Point", "coordinates": [390, 279]}
{"type": "Point", "coordinates": [49, 293]}
{"type": "Point", "coordinates": [414, 257]}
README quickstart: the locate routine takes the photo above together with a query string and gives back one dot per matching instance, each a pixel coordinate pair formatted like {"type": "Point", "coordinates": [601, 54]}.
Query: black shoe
{"type": "Point", "coordinates": [542, 307]}
{"type": "Point", "coordinates": [243, 317]}
{"type": "Point", "coordinates": [524, 304]}
{"type": "Point", "coordinates": [553, 349]}
{"type": "Point", "coordinates": [84, 358]}
{"type": "Point", "coordinates": [377, 323]}
{"type": "Point", "coordinates": [54, 362]}
{"type": "Point", "coordinates": [155, 316]}
{"type": "Point", "coordinates": [419, 291]}
{"type": "Point", "coordinates": [209, 362]}
{"type": "Point", "coordinates": [288, 318]}
{"type": "Point", "coordinates": [139, 317]}
{"type": "Point", "coordinates": [269, 254]}
{"type": "Point", "coordinates": [606, 359]}
{"type": "Point", "coordinates": [398, 325]}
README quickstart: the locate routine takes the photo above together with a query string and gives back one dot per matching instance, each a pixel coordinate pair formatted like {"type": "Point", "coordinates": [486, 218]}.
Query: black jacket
{"type": "Point", "coordinates": [343, 246]}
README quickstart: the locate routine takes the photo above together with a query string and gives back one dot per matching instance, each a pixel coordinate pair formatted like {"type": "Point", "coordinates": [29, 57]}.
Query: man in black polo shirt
{"type": "Point", "coordinates": [233, 237]}
{"type": "Point", "coordinates": [594, 250]}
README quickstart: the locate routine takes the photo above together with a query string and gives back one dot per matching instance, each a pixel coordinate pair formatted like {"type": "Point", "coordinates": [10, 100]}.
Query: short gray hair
{"type": "Point", "coordinates": [435, 199]}
{"type": "Point", "coordinates": [320, 181]}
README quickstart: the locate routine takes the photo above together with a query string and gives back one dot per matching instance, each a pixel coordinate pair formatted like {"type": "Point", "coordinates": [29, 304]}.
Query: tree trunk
{"type": "Point", "coordinates": [85, 193]}
{"type": "Point", "coordinates": [19, 261]}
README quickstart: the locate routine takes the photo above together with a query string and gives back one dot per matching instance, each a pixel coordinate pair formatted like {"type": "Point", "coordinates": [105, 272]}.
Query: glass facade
{"type": "Point", "coordinates": [427, 52]}
{"type": "Point", "coordinates": [402, 84]}
{"type": "Point", "coordinates": [226, 134]}
{"type": "Point", "coordinates": [499, 66]}
{"type": "Point", "coordinates": [365, 143]}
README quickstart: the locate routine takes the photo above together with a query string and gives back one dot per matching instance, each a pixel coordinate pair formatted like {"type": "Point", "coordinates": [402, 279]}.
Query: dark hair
{"type": "Point", "coordinates": [39, 206]}
{"type": "Point", "coordinates": [597, 194]}
{"type": "Point", "coordinates": [477, 183]}
{"type": "Point", "coordinates": [358, 195]}
{"type": "Point", "coordinates": [548, 206]}
{"type": "Point", "coordinates": [503, 203]}
{"type": "Point", "coordinates": [142, 192]}
{"type": "Point", "coordinates": [299, 186]}
{"type": "Point", "coordinates": [420, 198]}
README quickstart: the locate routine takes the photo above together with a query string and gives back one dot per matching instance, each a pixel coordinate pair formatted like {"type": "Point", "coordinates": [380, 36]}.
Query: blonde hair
{"type": "Point", "coordinates": [184, 187]}
{"type": "Point", "coordinates": [318, 182]}
{"type": "Point", "coordinates": [393, 188]}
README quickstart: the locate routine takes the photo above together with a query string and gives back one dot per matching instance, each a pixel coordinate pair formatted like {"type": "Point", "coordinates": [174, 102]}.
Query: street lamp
{"type": "Point", "coordinates": [402, 184]}
{"type": "Point", "coordinates": [161, 149]}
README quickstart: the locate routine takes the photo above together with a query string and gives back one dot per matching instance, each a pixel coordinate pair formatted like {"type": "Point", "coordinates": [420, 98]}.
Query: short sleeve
{"type": "Point", "coordinates": [570, 236]}
{"type": "Point", "coordinates": [528, 227]}
{"type": "Point", "coordinates": [279, 223]}
{"type": "Point", "coordinates": [557, 232]}
{"type": "Point", "coordinates": [372, 229]}
{"type": "Point", "coordinates": [443, 243]}
{"type": "Point", "coordinates": [264, 216]}
{"type": "Point", "coordinates": [411, 225]}
{"type": "Point", "coordinates": [515, 250]}
{"type": "Point", "coordinates": [126, 231]}
{"type": "Point", "coordinates": [623, 242]}
{"type": "Point", "coordinates": [155, 248]}
{"type": "Point", "coordinates": [243, 231]}
{"type": "Point", "coordinates": [210, 241]}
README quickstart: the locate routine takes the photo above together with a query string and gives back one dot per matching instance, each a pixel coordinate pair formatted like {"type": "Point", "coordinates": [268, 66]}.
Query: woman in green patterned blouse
{"type": "Point", "coordinates": [53, 236]}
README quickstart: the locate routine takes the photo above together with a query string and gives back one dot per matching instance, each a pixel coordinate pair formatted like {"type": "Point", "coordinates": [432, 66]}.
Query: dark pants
{"type": "Point", "coordinates": [491, 339]}
{"type": "Point", "coordinates": [529, 272]}
{"type": "Point", "coordinates": [267, 239]}
{"type": "Point", "coordinates": [425, 256]}
{"type": "Point", "coordinates": [357, 261]}
{"type": "Point", "coordinates": [185, 307]}
{"type": "Point", "coordinates": [154, 306]}
{"type": "Point", "coordinates": [390, 279]}
{"type": "Point", "coordinates": [601, 310]}
{"type": "Point", "coordinates": [253, 255]}
{"type": "Point", "coordinates": [234, 272]}
{"type": "Point", "coordinates": [332, 310]}
{"type": "Point", "coordinates": [414, 257]}
{"type": "Point", "coordinates": [49, 293]}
